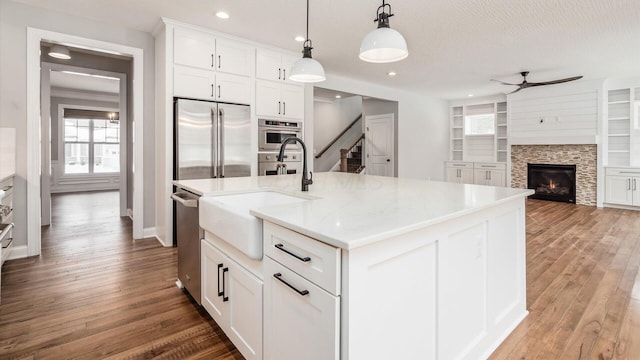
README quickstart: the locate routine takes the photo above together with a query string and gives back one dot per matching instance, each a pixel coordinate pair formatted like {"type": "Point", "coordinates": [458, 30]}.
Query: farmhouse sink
{"type": "Point", "coordinates": [228, 218]}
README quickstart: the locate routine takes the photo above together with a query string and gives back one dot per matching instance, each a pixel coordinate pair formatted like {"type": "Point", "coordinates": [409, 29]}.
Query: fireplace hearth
{"type": "Point", "coordinates": [552, 182]}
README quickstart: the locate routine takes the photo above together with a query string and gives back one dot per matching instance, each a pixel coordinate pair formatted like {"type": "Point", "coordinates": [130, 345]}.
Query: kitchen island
{"type": "Point", "coordinates": [377, 268]}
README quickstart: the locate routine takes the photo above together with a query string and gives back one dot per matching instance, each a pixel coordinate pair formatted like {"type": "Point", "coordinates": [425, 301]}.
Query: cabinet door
{"type": "Point", "coordinates": [618, 190]}
{"type": "Point", "coordinates": [213, 265]}
{"type": "Point", "coordinates": [245, 311]}
{"type": "Point", "coordinates": [635, 186]}
{"type": "Point", "coordinates": [462, 297]}
{"type": "Point", "coordinates": [233, 88]}
{"type": "Point", "coordinates": [497, 178]}
{"type": "Point", "coordinates": [481, 177]}
{"type": "Point", "coordinates": [298, 326]}
{"type": "Point", "coordinates": [268, 101]}
{"type": "Point", "coordinates": [287, 64]}
{"type": "Point", "coordinates": [193, 83]}
{"type": "Point", "coordinates": [269, 65]}
{"type": "Point", "coordinates": [293, 101]}
{"type": "Point", "coordinates": [234, 57]}
{"type": "Point", "coordinates": [467, 176]}
{"type": "Point", "coordinates": [453, 175]}
{"type": "Point", "coordinates": [194, 48]}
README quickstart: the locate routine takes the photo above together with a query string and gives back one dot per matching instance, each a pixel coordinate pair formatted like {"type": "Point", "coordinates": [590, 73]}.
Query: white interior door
{"type": "Point", "coordinates": [379, 145]}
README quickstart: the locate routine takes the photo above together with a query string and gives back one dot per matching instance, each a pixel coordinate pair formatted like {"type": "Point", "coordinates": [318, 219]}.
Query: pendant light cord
{"type": "Point", "coordinates": [307, 19]}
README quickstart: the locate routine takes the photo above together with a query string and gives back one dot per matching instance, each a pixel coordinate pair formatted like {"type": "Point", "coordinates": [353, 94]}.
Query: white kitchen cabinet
{"type": "Point", "coordinates": [194, 48]}
{"type": "Point", "coordinates": [202, 50]}
{"type": "Point", "coordinates": [208, 85]}
{"type": "Point", "coordinates": [302, 321]}
{"type": "Point", "coordinates": [459, 172]}
{"type": "Point", "coordinates": [492, 174]}
{"type": "Point", "coordinates": [622, 186]}
{"type": "Point", "coordinates": [461, 290]}
{"type": "Point", "coordinates": [273, 65]}
{"type": "Point", "coordinates": [233, 298]}
{"type": "Point", "coordinates": [302, 302]}
{"type": "Point", "coordinates": [234, 57]}
{"type": "Point", "coordinates": [275, 99]}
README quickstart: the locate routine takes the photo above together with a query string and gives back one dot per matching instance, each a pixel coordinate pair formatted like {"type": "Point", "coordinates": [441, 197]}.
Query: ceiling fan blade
{"type": "Point", "coordinates": [504, 83]}
{"type": "Point", "coordinates": [515, 91]}
{"type": "Point", "coordinates": [559, 81]}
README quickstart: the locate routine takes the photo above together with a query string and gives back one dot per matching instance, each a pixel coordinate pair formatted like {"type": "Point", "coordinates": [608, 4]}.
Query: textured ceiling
{"type": "Point", "coordinates": [455, 46]}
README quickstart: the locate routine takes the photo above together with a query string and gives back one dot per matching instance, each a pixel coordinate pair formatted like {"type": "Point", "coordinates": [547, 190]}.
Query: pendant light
{"type": "Point", "coordinates": [383, 45]}
{"type": "Point", "coordinates": [59, 52]}
{"type": "Point", "coordinates": [307, 69]}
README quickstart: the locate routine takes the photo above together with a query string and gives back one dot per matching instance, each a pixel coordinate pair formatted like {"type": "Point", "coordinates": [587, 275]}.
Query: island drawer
{"type": "Point", "coordinates": [310, 258]}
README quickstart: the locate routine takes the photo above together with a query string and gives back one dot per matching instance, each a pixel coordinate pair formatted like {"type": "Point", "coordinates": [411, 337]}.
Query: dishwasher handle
{"type": "Point", "coordinates": [185, 199]}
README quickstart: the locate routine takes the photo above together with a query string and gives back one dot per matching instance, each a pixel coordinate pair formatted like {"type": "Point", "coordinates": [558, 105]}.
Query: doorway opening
{"type": "Point", "coordinates": [349, 134]}
{"type": "Point", "coordinates": [37, 142]}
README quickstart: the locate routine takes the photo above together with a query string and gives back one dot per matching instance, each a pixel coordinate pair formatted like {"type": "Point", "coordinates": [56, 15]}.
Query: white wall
{"type": "Point", "coordinates": [14, 20]}
{"type": "Point", "coordinates": [423, 126]}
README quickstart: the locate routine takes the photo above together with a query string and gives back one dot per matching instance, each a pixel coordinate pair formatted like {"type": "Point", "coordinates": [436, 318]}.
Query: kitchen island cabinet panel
{"type": "Point", "coordinates": [301, 319]}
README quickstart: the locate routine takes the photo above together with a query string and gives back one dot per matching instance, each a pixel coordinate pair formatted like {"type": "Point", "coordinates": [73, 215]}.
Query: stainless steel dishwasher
{"type": "Point", "coordinates": [188, 235]}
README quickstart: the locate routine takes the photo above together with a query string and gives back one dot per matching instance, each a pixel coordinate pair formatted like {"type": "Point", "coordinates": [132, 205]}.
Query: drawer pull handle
{"type": "Point", "coordinates": [279, 277]}
{"type": "Point", "coordinates": [220, 293]}
{"type": "Point", "coordinates": [281, 248]}
{"type": "Point", "coordinates": [224, 297]}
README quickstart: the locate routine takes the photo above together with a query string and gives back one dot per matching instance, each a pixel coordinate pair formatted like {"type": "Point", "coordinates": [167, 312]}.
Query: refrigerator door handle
{"type": "Point", "coordinates": [220, 138]}
{"type": "Point", "coordinates": [214, 134]}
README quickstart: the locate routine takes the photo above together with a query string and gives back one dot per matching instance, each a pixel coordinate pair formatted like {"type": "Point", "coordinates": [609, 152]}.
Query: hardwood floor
{"type": "Point", "coordinates": [95, 293]}
{"type": "Point", "coordinates": [583, 285]}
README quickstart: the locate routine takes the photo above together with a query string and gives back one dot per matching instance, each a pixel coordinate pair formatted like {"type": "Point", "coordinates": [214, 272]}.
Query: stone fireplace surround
{"type": "Point", "coordinates": [583, 156]}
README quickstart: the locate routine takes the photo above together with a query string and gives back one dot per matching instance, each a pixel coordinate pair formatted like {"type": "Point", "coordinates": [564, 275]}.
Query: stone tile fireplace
{"type": "Point", "coordinates": [584, 157]}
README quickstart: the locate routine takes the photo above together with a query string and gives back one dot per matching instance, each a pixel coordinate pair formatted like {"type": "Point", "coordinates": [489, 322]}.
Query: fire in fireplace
{"type": "Point", "coordinates": [552, 182]}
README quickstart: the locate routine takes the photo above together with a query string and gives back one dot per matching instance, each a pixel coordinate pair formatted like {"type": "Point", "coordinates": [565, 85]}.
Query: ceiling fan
{"type": "Point", "coordinates": [524, 84]}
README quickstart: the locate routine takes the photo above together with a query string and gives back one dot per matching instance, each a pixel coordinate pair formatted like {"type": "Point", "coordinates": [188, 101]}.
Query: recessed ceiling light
{"type": "Point", "coordinates": [59, 52]}
{"type": "Point", "coordinates": [470, 95]}
{"type": "Point", "coordinates": [391, 73]}
{"type": "Point", "coordinates": [338, 96]}
{"type": "Point", "coordinates": [222, 15]}
{"type": "Point", "coordinates": [300, 38]}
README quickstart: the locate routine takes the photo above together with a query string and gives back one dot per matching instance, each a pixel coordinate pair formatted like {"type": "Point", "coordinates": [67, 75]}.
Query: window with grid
{"type": "Point", "coordinates": [91, 142]}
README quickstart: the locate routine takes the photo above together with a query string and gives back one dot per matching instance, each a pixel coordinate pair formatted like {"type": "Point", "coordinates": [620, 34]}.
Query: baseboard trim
{"type": "Point", "coordinates": [18, 252]}
{"type": "Point", "coordinates": [162, 242]}
{"type": "Point", "coordinates": [149, 232]}
{"type": "Point", "coordinates": [130, 214]}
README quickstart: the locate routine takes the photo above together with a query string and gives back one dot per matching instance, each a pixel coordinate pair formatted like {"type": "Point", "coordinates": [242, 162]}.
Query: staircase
{"type": "Point", "coordinates": [351, 158]}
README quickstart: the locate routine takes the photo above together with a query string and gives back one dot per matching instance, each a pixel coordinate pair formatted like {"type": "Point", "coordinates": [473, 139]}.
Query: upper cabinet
{"type": "Point", "coordinates": [273, 65]}
{"type": "Point", "coordinates": [279, 100]}
{"type": "Point", "coordinates": [202, 50]}
{"type": "Point", "coordinates": [208, 85]}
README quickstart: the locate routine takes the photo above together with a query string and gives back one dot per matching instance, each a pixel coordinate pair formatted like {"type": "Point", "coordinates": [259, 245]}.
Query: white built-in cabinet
{"type": "Point", "coordinates": [276, 95]}
{"type": "Point", "coordinates": [233, 298]}
{"type": "Point", "coordinates": [465, 172]}
{"type": "Point", "coordinates": [202, 50]}
{"type": "Point", "coordinates": [622, 186]}
{"type": "Point", "coordinates": [208, 85]}
{"type": "Point", "coordinates": [459, 172]}
{"type": "Point", "coordinates": [273, 65]}
{"type": "Point", "coordinates": [301, 296]}
{"type": "Point", "coordinates": [623, 127]}
{"type": "Point", "coordinates": [278, 99]}
{"type": "Point", "coordinates": [210, 68]}
{"type": "Point", "coordinates": [493, 174]}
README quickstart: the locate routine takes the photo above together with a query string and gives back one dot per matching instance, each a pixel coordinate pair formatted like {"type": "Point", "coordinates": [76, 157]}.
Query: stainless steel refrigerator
{"type": "Point", "coordinates": [212, 140]}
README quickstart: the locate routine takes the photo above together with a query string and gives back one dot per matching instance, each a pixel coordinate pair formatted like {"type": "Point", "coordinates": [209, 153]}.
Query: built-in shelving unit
{"type": "Point", "coordinates": [619, 110]}
{"type": "Point", "coordinates": [457, 133]}
{"type": "Point", "coordinates": [479, 147]}
{"type": "Point", "coordinates": [501, 132]}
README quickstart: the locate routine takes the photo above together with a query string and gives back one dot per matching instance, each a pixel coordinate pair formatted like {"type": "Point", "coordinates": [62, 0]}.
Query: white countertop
{"type": "Point", "coordinates": [349, 211]}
